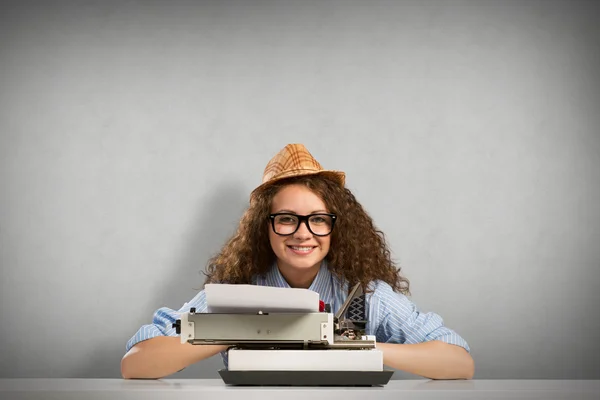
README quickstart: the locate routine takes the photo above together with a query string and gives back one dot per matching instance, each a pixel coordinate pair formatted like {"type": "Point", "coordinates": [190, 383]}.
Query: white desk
{"type": "Point", "coordinates": [202, 389]}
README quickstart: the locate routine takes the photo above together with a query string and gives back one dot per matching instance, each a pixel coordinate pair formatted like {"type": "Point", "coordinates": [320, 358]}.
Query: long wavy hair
{"type": "Point", "coordinates": [358, 251]}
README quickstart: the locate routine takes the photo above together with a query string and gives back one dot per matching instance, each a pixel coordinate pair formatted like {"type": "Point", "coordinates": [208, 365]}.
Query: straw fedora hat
{"type": "Point", "coordinates": [295, 160]}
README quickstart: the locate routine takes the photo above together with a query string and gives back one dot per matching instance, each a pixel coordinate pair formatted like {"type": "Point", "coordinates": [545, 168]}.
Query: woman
{"type": "Point", "coordinates": [304, 229]}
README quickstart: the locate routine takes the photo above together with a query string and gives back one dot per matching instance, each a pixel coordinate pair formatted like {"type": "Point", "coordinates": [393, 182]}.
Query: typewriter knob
{"type": "Point", "coordinates": [193, 310]}
{"type": "Point", "coordinates": [328, 308]}
{"type": "Point", "coordinates": [177, 326]}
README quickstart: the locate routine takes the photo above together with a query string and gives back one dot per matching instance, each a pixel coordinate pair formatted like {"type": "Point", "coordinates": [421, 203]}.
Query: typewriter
{"type": "Point", "coordinates": [292, 348]}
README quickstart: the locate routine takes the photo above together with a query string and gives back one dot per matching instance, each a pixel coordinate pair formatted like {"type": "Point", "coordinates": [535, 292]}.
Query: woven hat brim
{"type": "Point", "coordinates": [339, 176]}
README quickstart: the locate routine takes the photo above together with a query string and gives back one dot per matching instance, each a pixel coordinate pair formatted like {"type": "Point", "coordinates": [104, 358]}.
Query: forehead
{"type": "Point", "coordinates": [297, 198]}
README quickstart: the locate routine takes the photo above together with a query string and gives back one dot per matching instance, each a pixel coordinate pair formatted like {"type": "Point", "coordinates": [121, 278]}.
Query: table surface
{"type": "Point", "coordinates": [202, 388]}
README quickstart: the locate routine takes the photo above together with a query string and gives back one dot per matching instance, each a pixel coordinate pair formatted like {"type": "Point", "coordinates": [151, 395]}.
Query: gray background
{"type": "Point", "coordinates": [131, 134]}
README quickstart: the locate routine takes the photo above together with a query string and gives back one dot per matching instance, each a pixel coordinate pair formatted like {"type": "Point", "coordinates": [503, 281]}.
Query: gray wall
{"type": "Point", "coordinates": [131, 134]}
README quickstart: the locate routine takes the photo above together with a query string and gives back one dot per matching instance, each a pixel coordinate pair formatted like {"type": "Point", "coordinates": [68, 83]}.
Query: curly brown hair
{"type": "Point", "coordinates": [358, 251]}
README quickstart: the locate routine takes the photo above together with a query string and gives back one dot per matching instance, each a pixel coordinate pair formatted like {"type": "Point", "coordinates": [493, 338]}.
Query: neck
{"type": "Point", "coordinates": [298, 279]}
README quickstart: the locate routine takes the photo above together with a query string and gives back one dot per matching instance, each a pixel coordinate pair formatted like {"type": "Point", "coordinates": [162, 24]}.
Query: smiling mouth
{"type": "Point", "coordinates": [302, 249]}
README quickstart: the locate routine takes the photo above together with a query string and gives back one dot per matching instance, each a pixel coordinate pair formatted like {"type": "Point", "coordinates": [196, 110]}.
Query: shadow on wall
{"type": "Point", "coordinates": [216, 222]}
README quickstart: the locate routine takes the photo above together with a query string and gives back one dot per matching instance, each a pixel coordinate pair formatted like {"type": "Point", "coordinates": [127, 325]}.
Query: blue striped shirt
{"type": "Point", "coordinates": [391, 316]}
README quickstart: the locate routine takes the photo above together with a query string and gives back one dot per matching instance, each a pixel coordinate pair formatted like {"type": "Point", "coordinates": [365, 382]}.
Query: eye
{"type": "Point", "coordinates": [286, 219]}
{"type": "Point", "coordinates": [318, 220]}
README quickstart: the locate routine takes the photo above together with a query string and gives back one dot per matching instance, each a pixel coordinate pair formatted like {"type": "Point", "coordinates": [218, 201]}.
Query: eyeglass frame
{"type": "Point", "coordinates": [302, 218]}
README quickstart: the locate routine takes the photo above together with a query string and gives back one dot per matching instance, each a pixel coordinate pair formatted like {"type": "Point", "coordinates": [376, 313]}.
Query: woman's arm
{"type": "Point", "coordinates": [156, 351]}
{"type": "Point", "coordinates": [414, 341]}
{"type": "Point", "coordinates": [434, 359]}
{"type": "Point", "coordinates": [162, 356]}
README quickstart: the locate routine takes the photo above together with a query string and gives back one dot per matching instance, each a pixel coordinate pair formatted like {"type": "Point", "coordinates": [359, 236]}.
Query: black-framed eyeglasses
{"type": "Point", "coordinates": [319, 224]}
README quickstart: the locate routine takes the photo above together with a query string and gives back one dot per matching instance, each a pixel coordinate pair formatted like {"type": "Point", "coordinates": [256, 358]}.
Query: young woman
{"type": "Point", "coordinates": [304, 229]}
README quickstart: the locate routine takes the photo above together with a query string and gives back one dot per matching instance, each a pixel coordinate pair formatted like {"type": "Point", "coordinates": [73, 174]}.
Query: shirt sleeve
{"type": "Point", "coordinates": [393, 318]}
{"type": "Point", "coordinates": [163, 320]}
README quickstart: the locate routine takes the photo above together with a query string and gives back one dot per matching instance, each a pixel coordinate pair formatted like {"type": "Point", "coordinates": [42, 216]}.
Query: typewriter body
{"type": "Point", "coordinates": [291, 348]}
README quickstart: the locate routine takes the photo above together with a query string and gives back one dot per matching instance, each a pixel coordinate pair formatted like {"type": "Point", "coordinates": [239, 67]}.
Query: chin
{"type": "Point", "coordinates": [303, 264]}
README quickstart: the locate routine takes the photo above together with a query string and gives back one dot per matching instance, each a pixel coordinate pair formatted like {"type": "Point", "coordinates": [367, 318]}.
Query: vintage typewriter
{"type": "Point", "coordinates": [292, 348]}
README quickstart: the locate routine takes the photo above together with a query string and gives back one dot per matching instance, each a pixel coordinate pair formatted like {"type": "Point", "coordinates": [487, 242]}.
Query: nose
{"type": "Point", "coordinates": [303, 232]}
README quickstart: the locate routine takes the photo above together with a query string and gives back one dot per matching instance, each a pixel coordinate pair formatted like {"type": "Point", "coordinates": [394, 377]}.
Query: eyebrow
{"type": "Point", "coordinates": [294, 212]}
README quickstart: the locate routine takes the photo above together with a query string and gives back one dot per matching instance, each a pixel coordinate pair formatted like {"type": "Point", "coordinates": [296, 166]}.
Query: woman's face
{"type": "Point", "coordinates": [300, 253]}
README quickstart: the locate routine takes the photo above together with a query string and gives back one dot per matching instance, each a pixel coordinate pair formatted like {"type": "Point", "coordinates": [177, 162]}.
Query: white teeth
{"type": "Point", "coordinates": [301, 248]}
